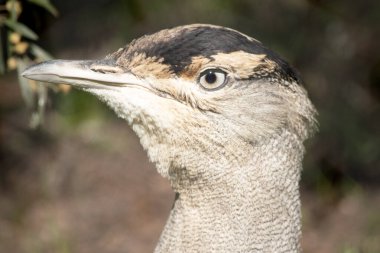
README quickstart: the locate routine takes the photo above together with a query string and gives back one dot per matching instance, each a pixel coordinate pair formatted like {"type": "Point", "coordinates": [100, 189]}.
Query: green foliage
{"type": "Point", "coordinates": [18, 40]}
{"type": "Point", "coordinates": [78, 106]}
{"type": "Point", "coordinates": [46, 5]}
{"type": "Point", "coordinates": [21, 29]}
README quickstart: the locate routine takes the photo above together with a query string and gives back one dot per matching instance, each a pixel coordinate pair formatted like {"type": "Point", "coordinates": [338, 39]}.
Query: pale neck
{"type": "Point", "coordinates": [255, 208]}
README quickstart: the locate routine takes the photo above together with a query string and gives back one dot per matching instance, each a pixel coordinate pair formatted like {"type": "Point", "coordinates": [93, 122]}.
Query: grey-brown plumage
{"type": "Point", "coordinates": [223, 118]}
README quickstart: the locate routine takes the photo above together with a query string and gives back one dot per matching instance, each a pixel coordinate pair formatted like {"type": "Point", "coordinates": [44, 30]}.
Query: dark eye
{"type": "Point", "coordinates": [212, 79]}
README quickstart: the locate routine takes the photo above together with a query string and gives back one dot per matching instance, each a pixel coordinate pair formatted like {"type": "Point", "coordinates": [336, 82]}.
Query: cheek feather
{"type": "Point", "coordinates": [144, 66]}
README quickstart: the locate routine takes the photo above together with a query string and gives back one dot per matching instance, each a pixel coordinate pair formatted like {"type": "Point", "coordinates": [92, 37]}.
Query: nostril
{"type": "Point", "coordinates": [98, 70]}
{"type": "Point", "coordinates": [104, 69]}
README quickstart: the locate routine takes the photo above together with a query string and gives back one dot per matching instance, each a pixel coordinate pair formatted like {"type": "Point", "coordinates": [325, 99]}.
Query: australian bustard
{"type": "Point", "coordinates": [223, 118]}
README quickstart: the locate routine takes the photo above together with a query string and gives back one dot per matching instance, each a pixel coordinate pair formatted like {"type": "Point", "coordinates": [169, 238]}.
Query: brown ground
{"type": "Point", "coordinates": [91, 188]}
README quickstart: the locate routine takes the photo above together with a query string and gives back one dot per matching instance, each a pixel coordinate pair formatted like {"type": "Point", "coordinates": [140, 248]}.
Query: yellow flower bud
{"type": "Point", "coordinates": [64, 88]}
{"type": "Point", "coordinates": [32, 85]}
{"type": "Point", "coordinates": [10, 5]}
{"type": "Point", "coordinates": [21, 47]}
{"type": "Point", "coordinates": [12, 63]}
{"type": "Point", "coordinates": [14, 38]}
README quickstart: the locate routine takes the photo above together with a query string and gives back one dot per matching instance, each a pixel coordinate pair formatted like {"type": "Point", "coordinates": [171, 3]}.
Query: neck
{"type": "Point", "coordinates": [253, 207]}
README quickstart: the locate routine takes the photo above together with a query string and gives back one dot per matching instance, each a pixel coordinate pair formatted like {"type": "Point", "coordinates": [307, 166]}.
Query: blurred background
{"type": "Point", "coordinates": [74, 178]}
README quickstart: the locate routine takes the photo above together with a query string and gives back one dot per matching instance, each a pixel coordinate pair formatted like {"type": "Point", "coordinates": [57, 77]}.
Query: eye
{"type": "Point", "coordinates": [212, 79]}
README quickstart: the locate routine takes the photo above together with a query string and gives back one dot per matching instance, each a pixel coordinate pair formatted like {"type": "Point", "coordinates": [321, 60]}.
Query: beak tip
{"type": "Point", "coordinates": [39, 72]}
{"type": "Point", "coordinates": [30, 71]}
{"type": "Point", "coordinates": [25, 73]}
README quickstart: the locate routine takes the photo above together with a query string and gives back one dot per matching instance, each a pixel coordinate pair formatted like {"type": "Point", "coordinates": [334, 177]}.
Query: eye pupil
{"type": "Point", "coordinates": [210, 77]}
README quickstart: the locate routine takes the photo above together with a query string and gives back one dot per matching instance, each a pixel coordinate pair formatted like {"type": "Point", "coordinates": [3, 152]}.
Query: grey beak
{"type": "Point", "coordinates": [82, 74]}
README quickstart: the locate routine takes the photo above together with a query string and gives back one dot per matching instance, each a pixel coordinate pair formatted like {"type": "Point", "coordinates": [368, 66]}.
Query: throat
{"type": "Point", "coordinates": [251, 208]}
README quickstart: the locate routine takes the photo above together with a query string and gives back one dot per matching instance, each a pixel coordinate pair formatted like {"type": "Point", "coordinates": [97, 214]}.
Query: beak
{"type": "Point", "coordinates": [82, 74]}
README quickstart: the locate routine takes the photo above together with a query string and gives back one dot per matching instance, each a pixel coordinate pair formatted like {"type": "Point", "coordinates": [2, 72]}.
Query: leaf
{"type": "Point", "coordinates": [40, 53]}
{"type": "Point", "coordinates": [2, 63]}
{"type": "Point", "coordinates": [26, 91]}
{"type": "Point", "coordinates": [34, 94]}
{"type": "Point", "coordinates": [46, 5]}
{"type": "Point", "coordinates": [21, 28]}
{"type": "Point", "coordinates": [37, 118]}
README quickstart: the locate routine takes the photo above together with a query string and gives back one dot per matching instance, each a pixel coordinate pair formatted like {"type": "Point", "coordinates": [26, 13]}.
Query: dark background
{"type": "Point", "coordinates": [82, 183]}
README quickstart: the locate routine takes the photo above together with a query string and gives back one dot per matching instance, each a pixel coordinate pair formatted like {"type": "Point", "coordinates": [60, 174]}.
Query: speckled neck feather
{"type": "Point", "coordinates": [252, 207]}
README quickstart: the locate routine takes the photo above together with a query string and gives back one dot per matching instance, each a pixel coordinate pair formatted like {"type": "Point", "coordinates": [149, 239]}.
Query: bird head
{"type": "Point", "coordinates": [192, 94]}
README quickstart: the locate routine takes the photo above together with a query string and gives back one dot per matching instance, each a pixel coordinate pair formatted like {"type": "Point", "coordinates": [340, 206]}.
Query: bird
{"type": "Point", "coordinates": [223, 118]}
